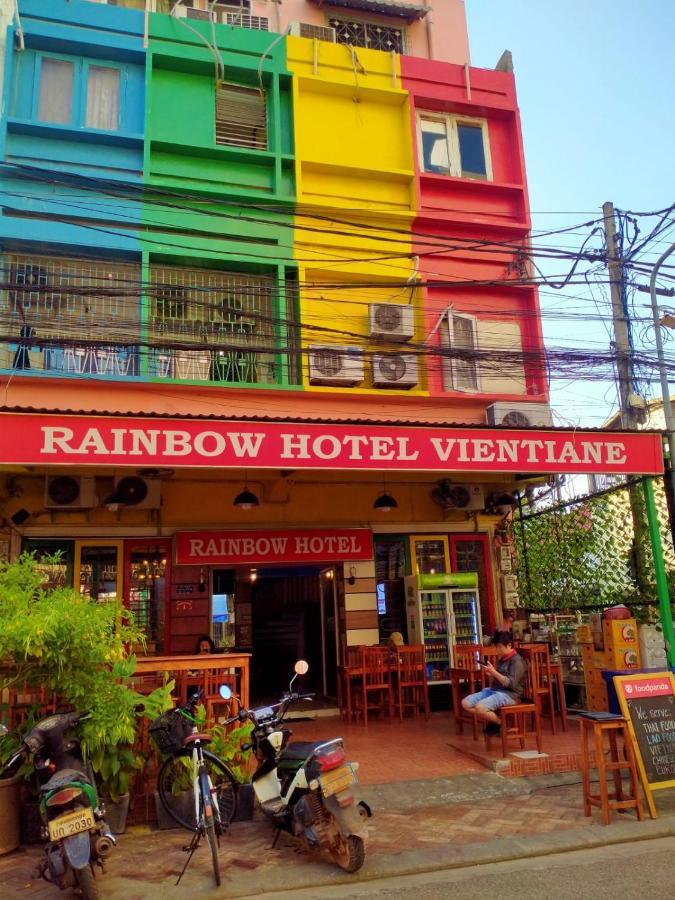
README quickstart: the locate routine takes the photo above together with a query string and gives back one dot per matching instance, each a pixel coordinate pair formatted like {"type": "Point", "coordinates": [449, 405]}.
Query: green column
{"type": "Point", "coordinates": [659, 570]}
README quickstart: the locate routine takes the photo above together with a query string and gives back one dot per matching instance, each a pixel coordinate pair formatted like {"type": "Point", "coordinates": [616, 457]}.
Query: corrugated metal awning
{"type": "Point", "coordinates": [400, 8]}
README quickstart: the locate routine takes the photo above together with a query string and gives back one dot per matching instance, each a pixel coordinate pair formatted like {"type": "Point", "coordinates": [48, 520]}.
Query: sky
{"type": "Point", "coordinates": [596, 88]}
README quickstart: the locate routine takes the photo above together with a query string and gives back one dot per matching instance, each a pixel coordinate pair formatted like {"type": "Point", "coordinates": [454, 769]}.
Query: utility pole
{"type": "Point", "coordinates": [624, 360]}
{"type": "Point", "coordinates": [630, 408]}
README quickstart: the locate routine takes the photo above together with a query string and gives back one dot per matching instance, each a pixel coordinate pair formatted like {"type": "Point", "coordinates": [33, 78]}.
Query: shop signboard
{"type": "Point", "coordinates": [270, 547]}
{"type": "Point", "coordinates": [46, 439]}
{"type": "Point", "coordinates": [648, 703]}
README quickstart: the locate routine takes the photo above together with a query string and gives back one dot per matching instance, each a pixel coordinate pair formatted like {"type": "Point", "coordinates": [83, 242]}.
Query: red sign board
{"type": "Point", "coordinates": [633, 688]}
{"type": "Point", "coordinates": [308, 545]}
{"type": "Point", "coordinates": [33, 439]}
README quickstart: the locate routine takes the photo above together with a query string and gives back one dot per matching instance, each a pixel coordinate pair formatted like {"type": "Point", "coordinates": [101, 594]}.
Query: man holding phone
{"type": "Point", "coordinates": [507, 680]}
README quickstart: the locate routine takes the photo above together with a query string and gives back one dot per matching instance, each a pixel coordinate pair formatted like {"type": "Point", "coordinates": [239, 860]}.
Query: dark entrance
{"type": "Point", "coordinates": [293, 617]}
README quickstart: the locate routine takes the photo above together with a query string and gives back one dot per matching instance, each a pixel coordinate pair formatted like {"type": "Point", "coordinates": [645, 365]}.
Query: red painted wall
{"type": "Point", "coordinates": [483, 223]}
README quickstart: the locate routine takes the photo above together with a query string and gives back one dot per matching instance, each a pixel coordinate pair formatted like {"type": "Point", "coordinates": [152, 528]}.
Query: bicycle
{"type": "Point", "coordinates": [195, 787]}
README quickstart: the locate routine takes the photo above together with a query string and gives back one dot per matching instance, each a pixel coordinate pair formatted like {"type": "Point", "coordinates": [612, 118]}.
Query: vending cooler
{"type": "Point", "coordinates": [440, 617]}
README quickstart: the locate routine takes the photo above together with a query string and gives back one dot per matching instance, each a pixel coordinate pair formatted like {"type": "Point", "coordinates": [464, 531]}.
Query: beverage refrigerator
{"type": "Point", "coordinates": [439, 618]}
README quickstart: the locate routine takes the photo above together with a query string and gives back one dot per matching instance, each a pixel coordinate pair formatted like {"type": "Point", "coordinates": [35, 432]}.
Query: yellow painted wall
{"type": "Point", "coordinates": [353, 140]}
{"type": "Point", "coordinates": [356, 198]}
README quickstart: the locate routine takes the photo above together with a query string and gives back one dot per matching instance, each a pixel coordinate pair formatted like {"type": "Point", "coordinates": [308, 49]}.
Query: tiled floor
{"type": "Point", "coordinates": [403, 751]}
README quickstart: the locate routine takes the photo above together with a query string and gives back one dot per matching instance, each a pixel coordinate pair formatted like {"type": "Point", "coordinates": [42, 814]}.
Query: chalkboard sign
{"type": "Point", "coordinates": [648, 703]}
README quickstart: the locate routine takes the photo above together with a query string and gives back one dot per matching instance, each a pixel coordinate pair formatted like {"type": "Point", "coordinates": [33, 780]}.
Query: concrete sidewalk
{"type": "Point", "coordinates": [418, 826]}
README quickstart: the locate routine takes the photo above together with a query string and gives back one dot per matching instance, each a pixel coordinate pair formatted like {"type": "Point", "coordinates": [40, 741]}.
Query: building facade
{"type": "Point", "coordinates": [300, 215]}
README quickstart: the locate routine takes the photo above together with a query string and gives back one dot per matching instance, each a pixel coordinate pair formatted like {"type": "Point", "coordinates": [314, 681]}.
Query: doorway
{"type": "Point", "coordinates": [294, 616]}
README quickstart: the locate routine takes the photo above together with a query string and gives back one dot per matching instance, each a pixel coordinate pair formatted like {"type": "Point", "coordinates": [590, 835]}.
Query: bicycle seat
{"type": "Point", "coordinates": [197, 736]}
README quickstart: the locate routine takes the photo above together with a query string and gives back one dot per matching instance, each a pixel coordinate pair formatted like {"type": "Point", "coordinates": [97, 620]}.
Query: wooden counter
{"type": "Point", "coordinates": [178, 666]}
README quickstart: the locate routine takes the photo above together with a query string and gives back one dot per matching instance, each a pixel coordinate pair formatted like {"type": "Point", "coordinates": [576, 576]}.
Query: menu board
{"type": "Point", "coordinates": [648, 703]}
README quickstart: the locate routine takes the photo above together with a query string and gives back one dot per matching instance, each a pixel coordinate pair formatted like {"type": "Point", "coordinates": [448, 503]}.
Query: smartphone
{"type": "Point", "coordinates": [486, 661]}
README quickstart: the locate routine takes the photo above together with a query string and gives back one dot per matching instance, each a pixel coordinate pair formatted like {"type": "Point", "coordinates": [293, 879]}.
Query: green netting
{"type": "Point", "coordinates": [590, 552]}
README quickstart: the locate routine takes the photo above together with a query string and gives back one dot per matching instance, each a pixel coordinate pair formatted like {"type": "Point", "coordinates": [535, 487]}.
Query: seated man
{"type": "Point", "coordinates": [506, 686]}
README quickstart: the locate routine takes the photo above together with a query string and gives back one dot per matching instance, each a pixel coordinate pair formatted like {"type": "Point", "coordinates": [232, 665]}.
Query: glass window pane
{"type": "Point", "coordinates": [56, 91]}
{"type": "Point", "coordinates": [103, 98]}
{"type": "Point", "coordinates": [98, 573]}
{"type": "Point", "coordinates": [435, 147]}
{"type": "Point", "coordinates": [430, 555]}
{"type": "Point", "coordinates": [471, 149]}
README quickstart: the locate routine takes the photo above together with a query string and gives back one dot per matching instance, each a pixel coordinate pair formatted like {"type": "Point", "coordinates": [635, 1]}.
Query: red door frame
{"type": "Point", "coordinates": [166, 547]}
{"type": "Point", "coordinates": [482, 538]}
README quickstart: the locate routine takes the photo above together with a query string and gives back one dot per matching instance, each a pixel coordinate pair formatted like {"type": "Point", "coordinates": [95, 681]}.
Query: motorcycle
{"type": "Point", "coordinates": [306, 788]}
{"type": "Point", "coordinates": [73, 820]}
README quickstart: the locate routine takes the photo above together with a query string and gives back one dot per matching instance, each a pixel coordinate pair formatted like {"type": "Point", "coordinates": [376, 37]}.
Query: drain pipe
{"type": "Point", "coordinates": [430, 37]}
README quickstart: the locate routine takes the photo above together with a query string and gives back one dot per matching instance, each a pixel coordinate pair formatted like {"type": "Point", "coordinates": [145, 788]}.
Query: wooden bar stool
{"type": "Point", "coordinates": [594, 728]}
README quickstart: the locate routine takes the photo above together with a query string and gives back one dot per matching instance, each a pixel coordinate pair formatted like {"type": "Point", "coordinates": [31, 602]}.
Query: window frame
{"type": "Point", "coordinates": [369, 22]}
{"type": "Point", "coordinates": [80, 87]}
{"type": "Point", "coordinates": [451, 122]}
{"type": "Point", "coordinates": [450, 364]}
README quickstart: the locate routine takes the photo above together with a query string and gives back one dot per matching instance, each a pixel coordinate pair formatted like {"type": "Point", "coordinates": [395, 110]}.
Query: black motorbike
{"type": "Point", "coordinates": [73, 819]}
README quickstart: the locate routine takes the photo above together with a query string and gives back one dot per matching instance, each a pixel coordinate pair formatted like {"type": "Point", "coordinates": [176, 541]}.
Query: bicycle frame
{"type": "Point", "coordinates": [203, 789]}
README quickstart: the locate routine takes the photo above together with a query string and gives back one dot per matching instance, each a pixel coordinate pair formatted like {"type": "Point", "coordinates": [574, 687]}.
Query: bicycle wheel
{"type": "Point", "coordinates": [209, 820]}
{"type": "Point", "coordinates": [176, 791]}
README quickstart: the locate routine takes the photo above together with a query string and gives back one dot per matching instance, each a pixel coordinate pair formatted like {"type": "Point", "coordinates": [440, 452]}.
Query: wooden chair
{"type": "Point", "coordinates": [214, 704]}
{"type": "Point", "coordinates": [349, 677]}
{"type": "Point", "coordinates": [539, 661]}
{"type": "Point", "coordinates": [411, 680]}
{"type": "Point", "coordinates": [596, 730]}
{"type": "Point", "coordinates": [520, 721]}
{"type": "Point", "coordinates": [466, 677]}
{"type": "Point", "coordinates": [375, 689]}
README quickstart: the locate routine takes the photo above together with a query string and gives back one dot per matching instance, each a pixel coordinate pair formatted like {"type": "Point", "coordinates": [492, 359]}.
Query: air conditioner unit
{"type": "Point", "coordinates": [134, 492]}
{"type": "Point", "coordinates": [335, 365]}
{"type": "Point", "coordinates": [511, 597]}
{"type": "Point", "coordinates": [317, 32]}
{"type": "Point", "coordinates": [391, 322]}
{"type": "Point", "coordinates": [69, 492]}
{"type": "Point", "coordinates": [450, 495]}
{"type": "Point", "coordinates": [519, 415]}
{"type": "Point", "coordinates": [392, 370]}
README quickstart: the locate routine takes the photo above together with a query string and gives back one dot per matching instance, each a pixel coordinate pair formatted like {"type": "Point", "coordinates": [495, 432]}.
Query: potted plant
{"type": "Point", "coordinates": [229, 746]}
{"type": "Point", "coordinates": [54, 638]}
{"type": "Point", "coordinates": [10, 831]}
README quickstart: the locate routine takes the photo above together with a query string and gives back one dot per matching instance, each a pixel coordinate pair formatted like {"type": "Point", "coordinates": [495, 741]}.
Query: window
{"type": "Point", "coordinates": [103, 98]}
{"type": "Point", "coordinates": [62, 83]}
{"type": "Point", "coordinates": [56, 91]}
{"type": "Point", "coordinates": [460, 370]}
{"type": "Point", "coordinates": [452, 145]}
{"type": "Point", "coordinates": [368, 34]}
{"type": "Point", "coordinates": [241, 116]}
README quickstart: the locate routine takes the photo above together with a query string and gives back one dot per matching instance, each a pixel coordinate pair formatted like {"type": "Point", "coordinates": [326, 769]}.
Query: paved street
{"type": "Point", "coordinates": [454, 826]}
{"type": "Point", "coordinates": [642, 869]}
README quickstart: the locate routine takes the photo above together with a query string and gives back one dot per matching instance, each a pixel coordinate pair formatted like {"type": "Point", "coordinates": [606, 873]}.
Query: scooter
{"type": "Point", "coordinates": [78, 837]}
{"type": "Point", "coordinates": [306, 788]}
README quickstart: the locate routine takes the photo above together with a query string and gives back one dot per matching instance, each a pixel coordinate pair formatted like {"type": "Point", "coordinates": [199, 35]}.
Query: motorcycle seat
{"type": "Point", "coordinates": [61, 778]}
{"type": "Point", "coordinates": [301, 749]}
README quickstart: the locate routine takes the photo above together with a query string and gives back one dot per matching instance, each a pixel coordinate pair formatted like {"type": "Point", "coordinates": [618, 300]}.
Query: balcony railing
{"type": "Point", "coordinates": [95, 318]}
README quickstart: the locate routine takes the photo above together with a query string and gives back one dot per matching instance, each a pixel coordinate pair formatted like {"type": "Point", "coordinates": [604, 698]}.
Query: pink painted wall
{"type": "Point", "coordinates": [443, 29]}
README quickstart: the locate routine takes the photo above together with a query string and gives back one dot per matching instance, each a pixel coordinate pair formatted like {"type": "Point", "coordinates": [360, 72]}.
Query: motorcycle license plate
{"type": "Point", "coordinates": [337, 780]}
{"type": "Point", "coordinates": [71, 823]}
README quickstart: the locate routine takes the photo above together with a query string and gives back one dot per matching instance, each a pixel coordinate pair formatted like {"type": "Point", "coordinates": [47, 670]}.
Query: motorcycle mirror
{"type": "Point", "coordinates": [225, 691]}
{"type": "Point", "coordinates": [3, 730]}
{"type": "Point", "coordinates": [301, 667]}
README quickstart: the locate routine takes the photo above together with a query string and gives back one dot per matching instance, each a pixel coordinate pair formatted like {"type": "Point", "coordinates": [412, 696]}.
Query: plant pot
{"type": "Point", "coordinates": [116, 812]}
{"type": "Point", "coordinates": [245, 803]}
{"type": "Point", "coordinates": [9, 813]}
{"type": "Point", "coordinates": [30, 821]}
{"type": "Point", "coordinates": [183, 801]}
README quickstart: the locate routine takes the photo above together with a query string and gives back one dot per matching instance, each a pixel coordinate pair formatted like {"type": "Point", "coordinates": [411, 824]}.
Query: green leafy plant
{"type": "Point", "coordinates": [229, 745]}
{"type": "Point", "coordinates": [57, 639]}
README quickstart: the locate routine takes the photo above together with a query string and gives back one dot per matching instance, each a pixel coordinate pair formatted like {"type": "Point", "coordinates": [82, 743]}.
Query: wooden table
{"type": "Point", "coordinates": [179, 666]}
